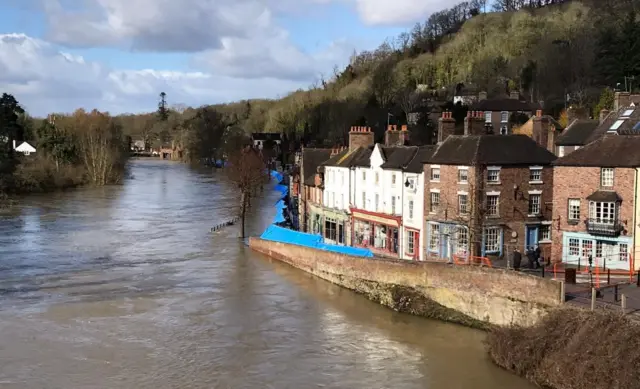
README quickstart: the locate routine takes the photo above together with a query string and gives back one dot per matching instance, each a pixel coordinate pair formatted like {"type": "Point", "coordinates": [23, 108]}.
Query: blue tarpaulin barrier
{"type": "Point", "coordinates": [284, 235]}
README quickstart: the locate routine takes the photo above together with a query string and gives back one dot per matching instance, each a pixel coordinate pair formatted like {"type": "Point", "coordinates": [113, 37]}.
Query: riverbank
{"type": "Point", "coordinates": [472, 296]}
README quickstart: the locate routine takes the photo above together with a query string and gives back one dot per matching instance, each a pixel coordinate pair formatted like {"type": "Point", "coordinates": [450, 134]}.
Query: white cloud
{"type": "Point", "coordinates": [45, 79]}
{"type": "Point", "coordinates": [398, 12]}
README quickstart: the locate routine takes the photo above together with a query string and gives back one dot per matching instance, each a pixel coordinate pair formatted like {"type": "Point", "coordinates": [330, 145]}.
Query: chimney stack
{"type": "Point", "coordinates": [360, 137]}
{"type": "Point", "coordinates": [514, 95]}
{"type": "Point", "coordinates": [395, 137]}
{"type": "Point", "coordinates": [621, 99]}
{"type": "Point", "coordinates": [540, 131]}
{"type": "Point", "coordinates": [574, 113]}
{"type": "Point", "coordinates": [603, 115]}
{"type": "Point", "coordinates": [446, 126]}
{"type": "Point", "coordinates": [474, 123]}
{"type": "Point", "coordinates": [482, 96]}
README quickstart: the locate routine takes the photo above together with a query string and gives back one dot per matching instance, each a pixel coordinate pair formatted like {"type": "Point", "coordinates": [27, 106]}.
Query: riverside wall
{"type": "Point", "coordinates": [469, 295]}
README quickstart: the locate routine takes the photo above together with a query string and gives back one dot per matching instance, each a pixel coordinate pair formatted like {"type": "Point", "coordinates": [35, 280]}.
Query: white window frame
{"type": "Point", "coordinates": [573, 209]}
{"type": "Point", "coordinates": [504, 117]}
{"type": "Point", "coordinates": [435, 173]}
{"type": "Point", "coordinates": [460, 175]}
{"type": "Point", "coordinates": [393, 205]}
{"type": "Point", "coordinates": [393, 179]}
{"type": "Point", "coordinates": [410, 207]}
{"type": "Point", "coordinates": [607, 177]}
{"type": "Point", "coordinates": [573, 247]}
{"type": "Point", "coordinates": [608, 212]}
{"type": "Point", "coordinates": [545, 229]}
{"type": "Point", "coordinates": [433, 209]}
{"type": "Point", "coordinates": [464, 195]}
{"type": "Point", "coordinates": [377, 178]}
{"type": "Point", "coordinates": [487, 116]}
{"type": "Point", "coordinates": [492, 195]}
{"type": "Point", "coordinates": [494, 246]}
{"type": "Point", "coordinates": [532, 195]}
{"type": "Point", "coordinates": [411, 242]}
{"type": "Point", "coordinates": [376, 203]}
{"type": "Point", "coordinates": [533, 172]}
{"type": "Point", "coordinates": [491, 169]}
{"type": "Point", "coordinates": [462, 240]}
{"type": "Point", "coordinates": [434, 238]}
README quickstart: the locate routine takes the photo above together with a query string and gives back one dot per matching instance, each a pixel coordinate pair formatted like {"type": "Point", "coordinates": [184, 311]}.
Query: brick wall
{"type": "Point", "coordinates": [578, 183]}
{"type": "Point", "coordinates": [494, 296]}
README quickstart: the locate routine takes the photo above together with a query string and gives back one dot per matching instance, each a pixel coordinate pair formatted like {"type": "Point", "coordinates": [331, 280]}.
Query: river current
{"type": "Point", "coordinates": [125, 287]}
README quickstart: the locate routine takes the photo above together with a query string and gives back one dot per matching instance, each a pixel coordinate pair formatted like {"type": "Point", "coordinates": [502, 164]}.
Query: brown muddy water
{"type": "Point", "coordinates": [125, 288]}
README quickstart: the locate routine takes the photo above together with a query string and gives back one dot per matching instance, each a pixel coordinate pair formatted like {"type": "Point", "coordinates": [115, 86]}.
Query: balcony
{"type": "Point", "coordinates": [606, 227]}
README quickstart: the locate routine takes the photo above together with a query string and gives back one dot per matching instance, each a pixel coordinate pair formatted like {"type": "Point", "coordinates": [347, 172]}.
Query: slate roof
{"type": "Point", "coordinates": [498, 150]}
{"type": "Point", "coordinates": [607, 151]}
{"type": "Point", "coordinates": [505, 104]}
{"type": "Point", "coordinates": [311, 160]}
{"type": "Point", "coordinates": [397, 157]}
{"type": "Point", "coordinates": [577, 133]}
{"type": "Point", "coordinates": [626, 128]}
{"type": "Point", "coordinates": [416, 165]}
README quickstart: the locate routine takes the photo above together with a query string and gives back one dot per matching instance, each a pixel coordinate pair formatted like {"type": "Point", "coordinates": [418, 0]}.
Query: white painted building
{"type": "Point", "coordinates": [24, 148]}
{"type": "Point", "coordinates": [413, 225]}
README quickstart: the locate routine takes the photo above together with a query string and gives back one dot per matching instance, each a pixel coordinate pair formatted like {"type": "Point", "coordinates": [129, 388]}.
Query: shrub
{"type": "Point", "coordinates": [572, 349]}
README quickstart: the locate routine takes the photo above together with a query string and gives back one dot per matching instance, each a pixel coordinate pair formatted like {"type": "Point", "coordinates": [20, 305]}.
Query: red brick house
{"type": "Point", "coordinates": [486, 194]}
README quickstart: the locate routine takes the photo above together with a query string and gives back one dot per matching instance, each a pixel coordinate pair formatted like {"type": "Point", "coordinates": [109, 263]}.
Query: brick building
{"type": "Point", "coordinates": [310, 197]}
{"type": "Point", "coordinates": [502, 114]}
{"type": "Point", "coordinates": [595, 202]}
{"type": "Point", "coordinates": [486, 194]}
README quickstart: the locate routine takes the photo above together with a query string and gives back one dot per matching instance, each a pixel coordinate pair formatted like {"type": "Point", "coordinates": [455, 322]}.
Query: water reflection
{"type": "Point", "coordinates": [126, 288]}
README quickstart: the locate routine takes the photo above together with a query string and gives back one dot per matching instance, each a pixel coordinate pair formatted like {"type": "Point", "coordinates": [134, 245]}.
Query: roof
{"type": "Point", "coordinates": [416, 165]}
{"type": "Point", "coordinates": [577, 133]}
{"type": "Point", "coordinates": [604, 196]}
{"type": "Point", "coordinates": [397, 157]}
{"type": "Point", "coordinates": [607, 151]}
{"type": "Point", "coordinates": [311, 160]}
{"type": "Point", "coordinates": [499, 150]}
{"type": "Point", "coordinates": [25, 147]}
{"type": "Point", "coordinates": [626, 125]}
{"type": "Point", "coordinates": [266, 136]}
{"type": "Point", "coordinates": [505, 104]}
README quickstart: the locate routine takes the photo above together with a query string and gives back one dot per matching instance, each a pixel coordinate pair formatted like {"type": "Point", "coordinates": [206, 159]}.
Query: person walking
{"type": "Point", "coordinates": [516, 259]}
{"type": "Point", "coordinates": [536, 256]}
{"type": "Point", "coordinates": [531, 256]}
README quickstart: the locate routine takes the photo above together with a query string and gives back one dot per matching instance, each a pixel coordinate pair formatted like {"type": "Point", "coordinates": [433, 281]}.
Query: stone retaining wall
{"type": "Point", "coordinates": [469, 295]}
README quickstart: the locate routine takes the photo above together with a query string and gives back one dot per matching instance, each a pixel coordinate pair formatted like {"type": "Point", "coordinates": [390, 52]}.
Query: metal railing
{"type": "Point", "coordinates": [604, 227]}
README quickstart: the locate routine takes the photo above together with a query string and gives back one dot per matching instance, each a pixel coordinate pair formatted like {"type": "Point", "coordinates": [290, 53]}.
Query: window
{"type": "Point", "coordinates": [377, 203]}
{"type": "Point", "coordinates": [342, 177]}
{"type": "Point", "coordinates": [364, 200]}
{"type": "Point", "coordinates": [535, 174]}
{"type": "Point", "coordinates": [435, 201]}
{"type": "Point", "coordinates": [603, 213]}
{"type": "Point", "coordinates": [614, 127]}
{"type": "Point", "coordinates": [411, 242]}
{"type": "Point", "coordinates": [560, 151]}
{"type": "Point", "coordinates": [463, 176]}
{"type": "Point", "coordinates": [462, 240]}
{"type": "Point", "coordinates": [598, 249]}
{"type": "Point", "coordinates": [534, 203]}
{"type": "Point", "coordinates": [504, 117]}
{"type": "Point", "coordinates": [462, 204]}
{"type": "Point", "coordinates": [493, 175]}
{"type": "Point", "coordinates": [410, 209]}
{"type": "Point", "coordinates": [377, 178]}
{"type": "Point", "coordinates": [493, 205]}
{"type": "Point", "coordinates": [587, 248]}
{"type": "Point", "coordinates": [574, 246]}
{"type": "Point", "coordinates": [435, 174]}
{"type": "Point", "coordinates": [627, 112]}
{"type": "Point", "coordinates": [573, 209]}
{"type": "Point", "coordinates": [487, 116]}
{"type": "Point", "coordinates": [492, 240]}
{"type": "Point", "coordinates": [364, 176]}
{"type": "Point", "coordinates": [342, 200]}
{"type": "Point", "coordinates": [330, 229]}
{"type": "Point", "coordinates": [340, 233]}
{"type": "Point", "coordinates": [545, 232]}
{"type": "Point", "coordinates": [434, 238]}
{"type": "Point", "coordinates": [393, 205]}
{"type": "Point", "coordinates": [623, 254]}
{"type": "Point", "coordinates": [393, 179]}
{"type": "Point", "coordinates": [606, 177]}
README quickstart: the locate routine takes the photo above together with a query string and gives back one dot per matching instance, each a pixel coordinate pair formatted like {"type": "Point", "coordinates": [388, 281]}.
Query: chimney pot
{"type": "Point", "coordinates": [539, 113]}
{"type": "Point", "coordinates": [404, 127]}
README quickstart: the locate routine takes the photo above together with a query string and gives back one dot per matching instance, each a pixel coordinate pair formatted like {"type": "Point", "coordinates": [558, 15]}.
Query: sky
{"type": "Point", "coordinates": [118, 55]}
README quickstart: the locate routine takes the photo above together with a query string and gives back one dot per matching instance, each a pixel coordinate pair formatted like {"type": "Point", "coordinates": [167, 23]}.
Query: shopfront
{"type": "Point", "coordinates": [315, 224]}
{"type": "Point", "coordinates": [337, 227]}
{"type": "Point", "coordinates": [378, 232]}
{"type": "Point", "coordinates": [614, 253]}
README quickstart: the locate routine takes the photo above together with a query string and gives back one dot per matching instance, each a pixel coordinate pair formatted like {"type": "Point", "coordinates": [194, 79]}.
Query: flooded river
{"type": "Point", "coordinates": [125, 288]}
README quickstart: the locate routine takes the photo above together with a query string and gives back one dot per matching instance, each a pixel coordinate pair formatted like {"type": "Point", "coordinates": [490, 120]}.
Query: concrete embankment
{"type": "Point", "coordinates": [473, 296]}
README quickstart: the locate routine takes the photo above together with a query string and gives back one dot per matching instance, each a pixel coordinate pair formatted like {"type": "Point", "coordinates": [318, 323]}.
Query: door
{"type": "Point", "coordinates": [531, 238]}
{"type": "Point", "coordinates": [416, 245]}
{"type": "Point", "coordinates": [445, 251]}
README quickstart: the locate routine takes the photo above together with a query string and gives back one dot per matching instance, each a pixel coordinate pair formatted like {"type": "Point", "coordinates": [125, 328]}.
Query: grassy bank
{"type": "Point", "coordinates": [572, 349]}
{"type": "Point", "coordinates": [39, 175]}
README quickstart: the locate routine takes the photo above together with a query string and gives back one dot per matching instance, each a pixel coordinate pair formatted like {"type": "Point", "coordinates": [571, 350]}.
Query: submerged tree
{"type": "Point", "coordinates": [246, 170]}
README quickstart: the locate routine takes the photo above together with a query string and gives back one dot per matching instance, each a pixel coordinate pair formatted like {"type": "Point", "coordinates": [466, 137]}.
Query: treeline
{"type": "Point", "coordinates": [72, 150]}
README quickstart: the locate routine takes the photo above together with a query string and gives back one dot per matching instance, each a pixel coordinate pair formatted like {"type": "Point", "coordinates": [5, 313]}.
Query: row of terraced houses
{"type": "Point", "coordinates": [477, 192]}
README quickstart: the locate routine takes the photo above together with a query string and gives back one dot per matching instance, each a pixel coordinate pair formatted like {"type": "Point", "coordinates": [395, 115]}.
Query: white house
{"type": "Point", "coordinates": [24, 148]}
{"type": "Point", "coordinates": [378, 205]}
{"type": "Point", "coordinates": [413, 226]}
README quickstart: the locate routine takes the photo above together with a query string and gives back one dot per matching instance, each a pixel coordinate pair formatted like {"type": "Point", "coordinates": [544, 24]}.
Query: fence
{"type": "Point", "coordinates": [624, 298]}
{"type": "Point", "coordinates": [275, 232]}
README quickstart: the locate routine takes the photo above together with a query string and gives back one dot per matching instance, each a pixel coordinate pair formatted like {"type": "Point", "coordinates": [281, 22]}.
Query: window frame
{"type": "Point", "coordinates": [608, 209]}
{"type": "Point", "coordinates": [531, 206]}
{"type": "Point", "coordinates": [460, 175]}
{"type": "Point", "coordinates": [497, 175]}
{"type": "Point", "coordinates": [434, 206]}
{"type": "Point", "coordinates": [504, 117]}
{"type": "Point", "coordinates": [462, 211]}
{"type": "Point", "coordinates": [604, 176]}
{"type": "Point", "coordinates": [533, 171]}
{"type": "Point", "coordinates": [498, 234]}
{"type": "Point", "coordinates": [571, 209]}
{"type": "Point", "coordinates": [411, 210]}
{"type": "Point", "coordinates": [489, 196]}
{"type": "Point", "coordinates": [435, 174]}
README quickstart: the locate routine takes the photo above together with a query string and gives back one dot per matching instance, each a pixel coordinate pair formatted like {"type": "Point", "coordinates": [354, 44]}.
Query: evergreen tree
{"type": "Point", "coordinates": [10, 131]}
{"type": "Point", "coordinates": [163, 111]}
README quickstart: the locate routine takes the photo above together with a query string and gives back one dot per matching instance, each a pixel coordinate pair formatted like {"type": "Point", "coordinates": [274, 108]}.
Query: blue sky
{"type": "Point", "coordinates": [118, 55]}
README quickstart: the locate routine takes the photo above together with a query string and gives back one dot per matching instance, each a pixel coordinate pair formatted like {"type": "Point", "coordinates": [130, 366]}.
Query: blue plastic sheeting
{"type": "Point", "coordinates": [280, 204]}
{"type": "Point", "coordinates": [279, 218]}
{"type": "Point", "coordinates": [276, 175]}
{"type": "Point", "coordinates": [282, 189]}
{"type": "Point", "coordinates": [284, 235]}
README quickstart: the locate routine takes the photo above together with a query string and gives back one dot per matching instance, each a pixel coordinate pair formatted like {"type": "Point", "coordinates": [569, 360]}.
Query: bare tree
{"type": "Point", "coordinates": [246, 170]}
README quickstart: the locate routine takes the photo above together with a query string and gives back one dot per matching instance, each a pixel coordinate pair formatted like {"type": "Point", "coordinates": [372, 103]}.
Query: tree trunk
{"type": "Point", "coordinates": [243, 214]}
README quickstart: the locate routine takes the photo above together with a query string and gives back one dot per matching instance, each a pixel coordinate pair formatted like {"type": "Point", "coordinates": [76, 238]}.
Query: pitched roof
{"type": "Point", "coordinates": [311, 160]}
{"type": "Point", "coordinates": [363, 159]}
{"type": "Point", "coordinates": [506, 104]}
{"type": "Point", "coordinates": [397, 157]}
{"type": "Point", "coordinates": [490, 150]}
{"type": "Point", "coordinates": [577, 133]}
{"type": "Point", "coordinates": [607, 151]}
{"type": "Point", "coordinates": [416, 165]}
{"type": "Point", "coordinates": [625, 126]}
